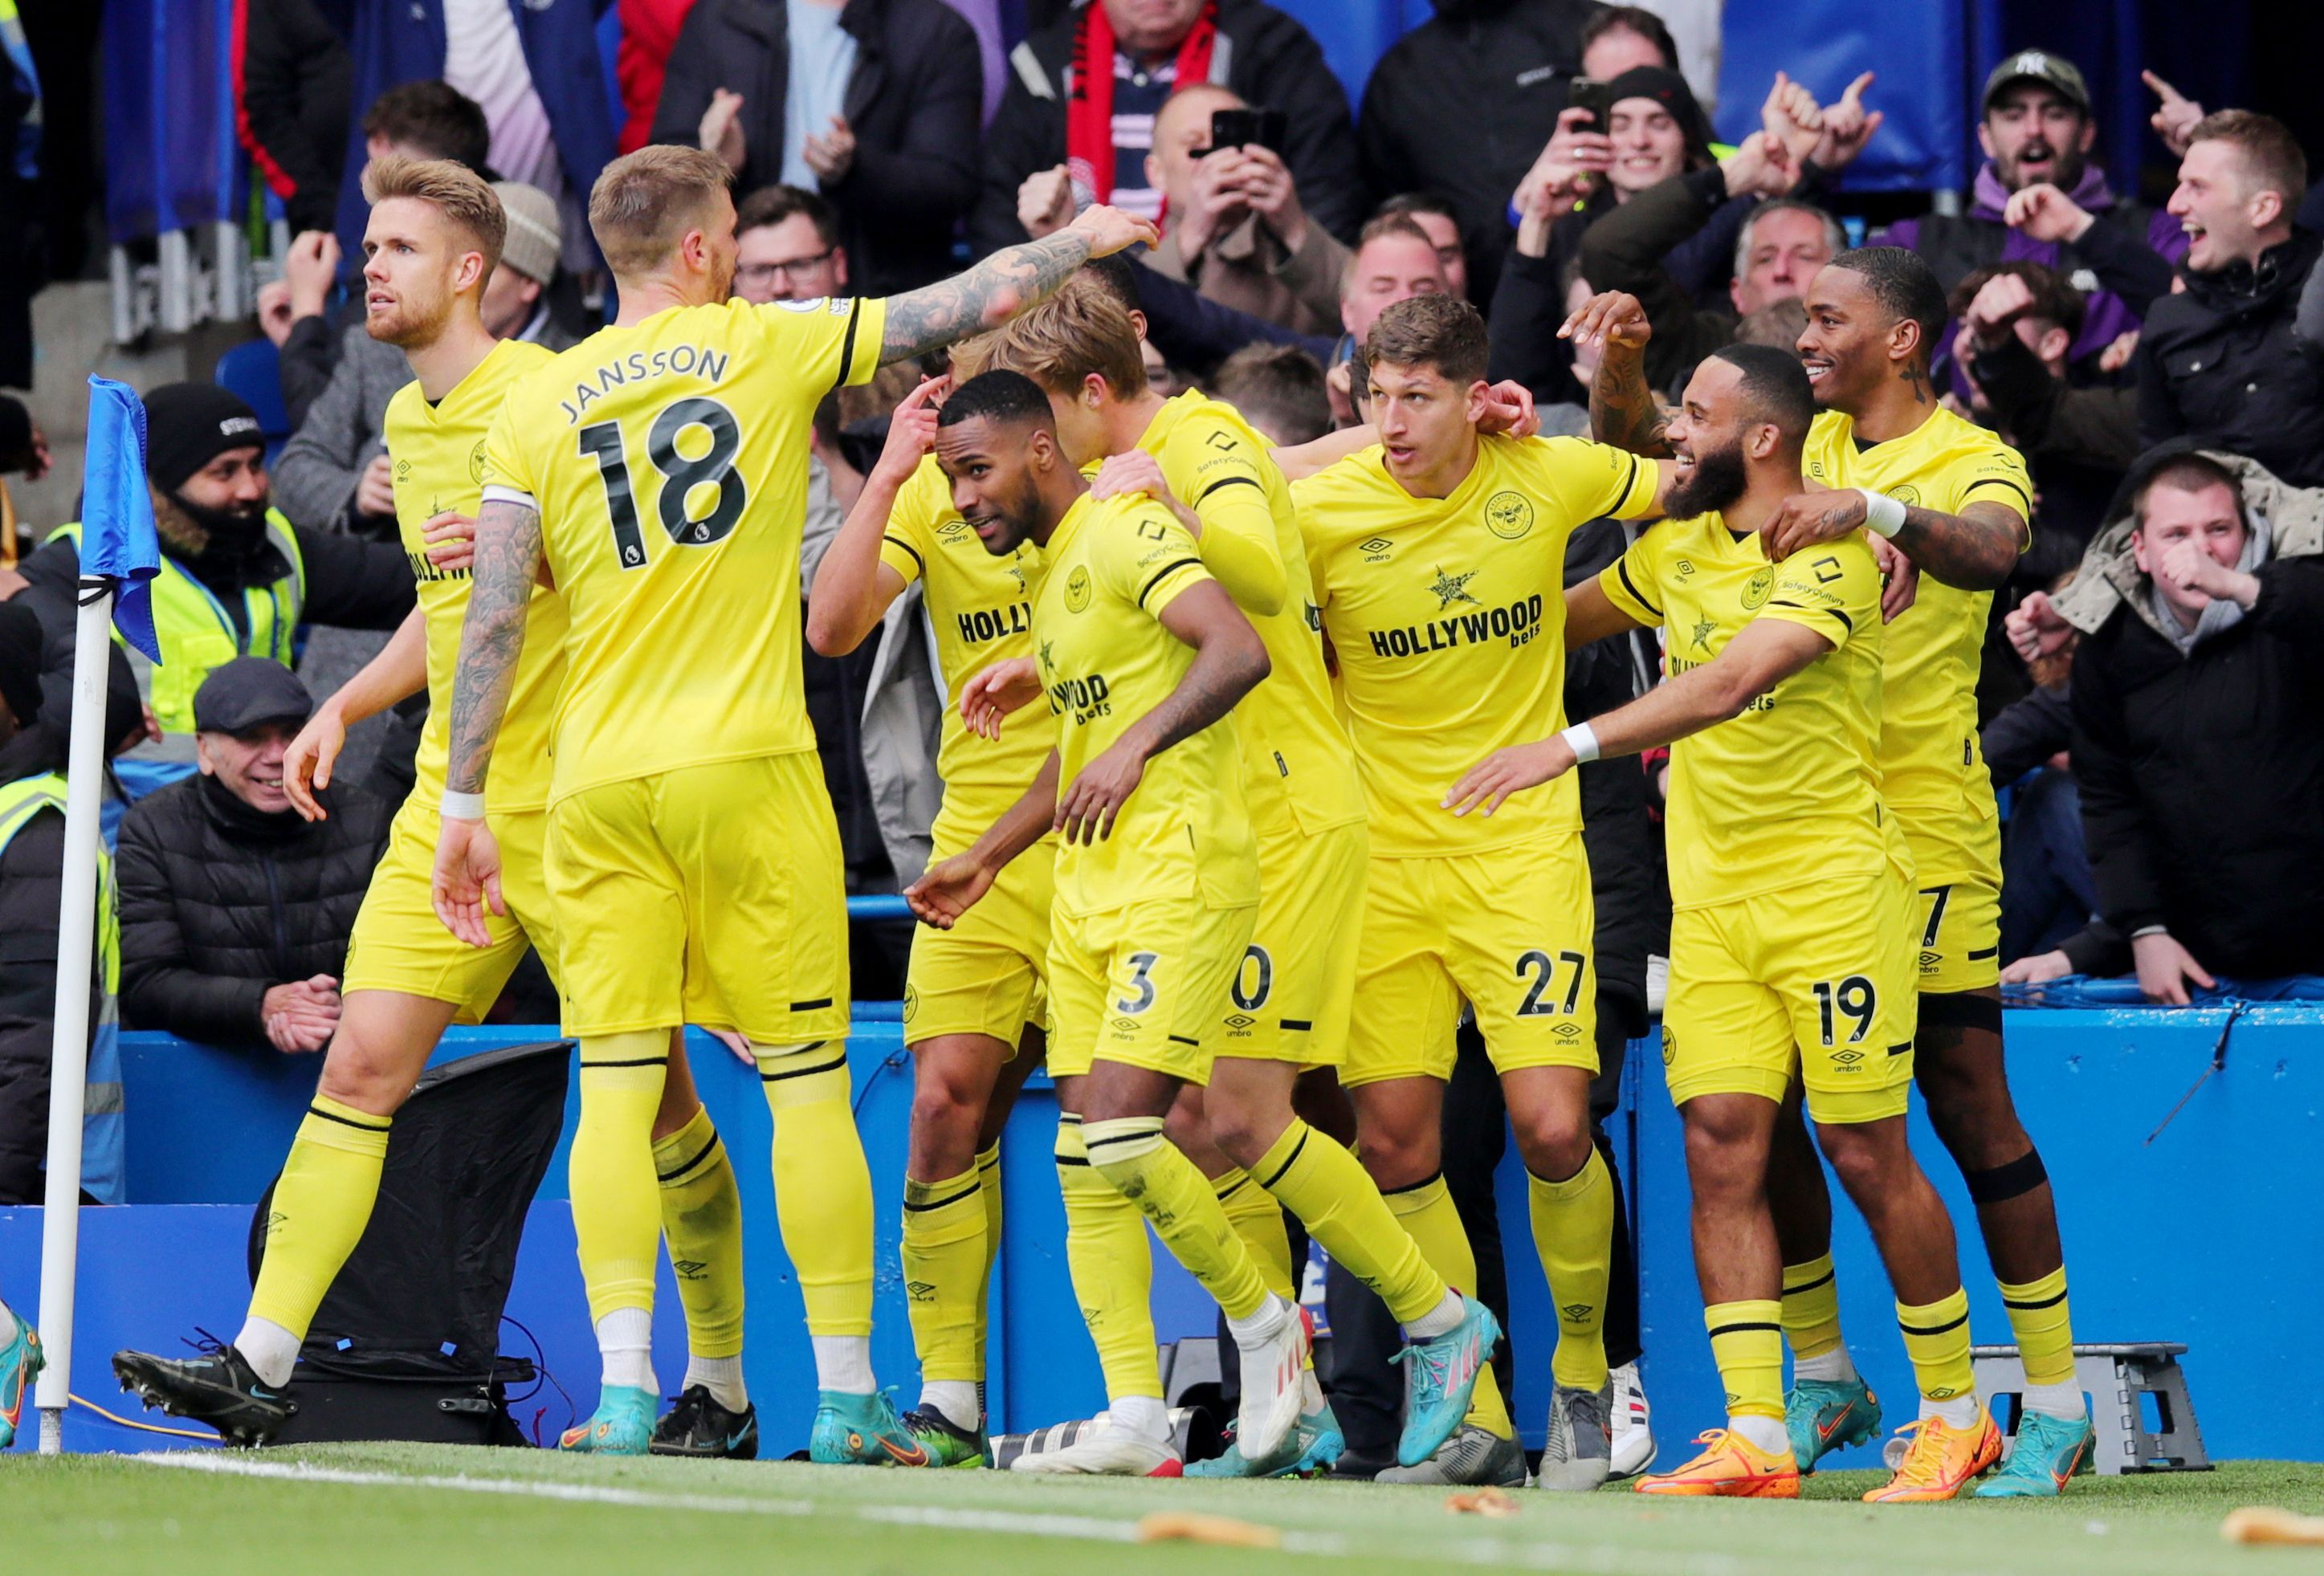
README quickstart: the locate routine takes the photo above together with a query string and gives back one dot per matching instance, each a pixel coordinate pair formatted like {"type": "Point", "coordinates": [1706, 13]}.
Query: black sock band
{"type": "Point", "coordinates": [1960, 1009]}
{"type": "Point", "coordinates": [2019, 1177]}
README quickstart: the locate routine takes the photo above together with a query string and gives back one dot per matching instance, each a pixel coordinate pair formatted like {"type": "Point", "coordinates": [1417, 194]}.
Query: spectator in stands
{"type": "Point", "coordinates": [1434, 214]}
{"type": "Point", "coordinates": [2199, 727]}
{"type": "Point", "coordinates": [36, 703]}
{"type": "Point", "coordinates": [787, 247]}
{"type": "Point", "coordinates": [2224, 361]}
{"type": "Point", "coordinates": [516, 297]}
{"type": "Point", "coordinates": [872, 104]}
{"type": "Point", "coordinates": [650, 31]}
{"type": "Point", "coordinates": [1279, 389]}
{"type": "Point", "coordinates": [1394, 260]}
{"type": "Point", "coordinates": [1463, 103]}
{"type": "Point", "coordinates": [2038, 196]}
{"type": "Point", "coordinates": [294, 89]}
{"type": "Point", "coordinates": [420, 120]}
{"type": "Point", "coordinates": [238, 578]}
{"type": "Point", "coordinates": [540, 85]}
{"type": "Point", "coordinates": [1064, 139]}
{"type": "Point", "coordinates": [235, 909]}
{"type": "Point", "coordinates": [2046, 894]}
{"type": "Point", "coordinates": [1232, 225]}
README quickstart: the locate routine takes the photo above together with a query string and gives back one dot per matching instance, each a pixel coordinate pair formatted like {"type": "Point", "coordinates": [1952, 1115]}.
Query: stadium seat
{"type": "Point", "coordinates": [253, 370]}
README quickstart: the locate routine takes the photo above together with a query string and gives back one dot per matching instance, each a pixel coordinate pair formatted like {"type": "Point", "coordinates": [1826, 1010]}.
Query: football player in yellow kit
{"type": "Point", "coordinates": [431, 244]}
{"type": "Point", "coordinates": [1954, 500]}
{"type": "Point", "coordinates": [1143, 656]}
{"type": "Point", "coordinates": [659, 470]}
{"type": "Point", "coordinates": [1289, 1006]}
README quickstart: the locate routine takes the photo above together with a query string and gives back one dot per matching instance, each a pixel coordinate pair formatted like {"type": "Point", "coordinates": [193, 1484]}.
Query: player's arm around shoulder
{"type": "Point", "coordinates": [1224, 479]}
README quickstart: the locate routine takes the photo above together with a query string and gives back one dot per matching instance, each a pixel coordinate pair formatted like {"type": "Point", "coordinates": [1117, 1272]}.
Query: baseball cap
{"type": "Point", "coordinates": [240, 695]}
{"type": "Point", "coordinates": [2040, 66]}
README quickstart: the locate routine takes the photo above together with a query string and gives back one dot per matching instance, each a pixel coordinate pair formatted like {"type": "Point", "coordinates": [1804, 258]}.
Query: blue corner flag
{"type": "Point", "coordinates": [117, 537]}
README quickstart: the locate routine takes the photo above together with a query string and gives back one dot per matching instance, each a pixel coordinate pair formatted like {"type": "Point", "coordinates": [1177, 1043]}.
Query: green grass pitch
{"type": "Point", "coordinates": [431, 1510]}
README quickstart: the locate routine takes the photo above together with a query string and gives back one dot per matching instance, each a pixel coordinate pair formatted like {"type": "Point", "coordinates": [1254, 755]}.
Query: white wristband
{"type": "Point", "coordinates": [1883, 515]}
{"type": "Point", "coordinates": [1583, 740]}
{"type": "Point", "coordinates": [460, 807]}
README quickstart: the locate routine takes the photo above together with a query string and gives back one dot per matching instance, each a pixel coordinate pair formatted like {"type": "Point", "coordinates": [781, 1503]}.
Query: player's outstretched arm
{"type": "Point", "coordinates": [853, 588]}
{"type": "Point", "coordinates": [1230, 662]}
{"type": "Point", "coordinates": [1974, 550]}
{"type": "Point", "coordinates": [397, 673]}
{"type": "Point", "coordinates": [1005, 283]}
{"type": "Point", "coordinates": [1762, 655]}
{"type": "Point", "coordinates": [951, 886]}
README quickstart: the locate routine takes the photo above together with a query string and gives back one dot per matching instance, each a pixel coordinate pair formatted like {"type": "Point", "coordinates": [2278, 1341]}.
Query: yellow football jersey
{"type": "Point", "coordinates": [1931, 767]}
{"type": "Point", "coordinates": [438, 455]}
{"type": "Point", "coordinates": [669, 462]}
{"type": "Point", "coordinates": [1788, 792]}
{"type": "Point", "coordinates": [981, 609]}
{"type": "Point", "coordinates": [1106, 661]}
{"type": "Point", "coordinates": [1448, 619]}
{"type": "Point", "coordinates": [1299, 770]}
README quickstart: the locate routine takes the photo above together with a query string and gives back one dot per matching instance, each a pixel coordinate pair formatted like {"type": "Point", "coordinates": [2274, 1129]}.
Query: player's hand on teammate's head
{"type": "Point", "coordinates": [1805, 519]}
{"type": "Point", "coordinates": [1109, 230]}
{"type": "Point", "coordinates": [1087, 809]}
{"type": "Point", "coordinates": [1486, 784]}
{"type": "Point", "coordinates": [912, 429]}
{"type": "Point", "coordinates": [948, 889]}
{"type": "Point", "coordinates": [1134, 472]}
{"type": "Point", "coordinates": [306, 763]}
{"type": "Point", "coordinates": [1508, 408]}
{"type": "Point", "coordinates": [1900, 579]}
{"type": "Point", "coordinates": [451, 539]}
{"type": "Point", "coordinates": [467, 883]}
{"type": "Point", "coordinates": [1612, 319]}
{"type": "Point", "coordinates": [994, 693]}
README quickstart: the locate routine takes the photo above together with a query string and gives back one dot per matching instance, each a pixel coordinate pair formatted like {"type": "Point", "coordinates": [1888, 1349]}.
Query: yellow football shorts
{"type": "Point", "coordinates": [1959, 931]}
{"type": "Point", "coordinates": [1814, 981]}
{"type": "Point", "coordinates": [1291, 997]}
{"type": "Point", "coordinates": [1509, 930]}
{"type": "Point", "coordinates": [399, 945]}
{"type": "Point", "coordinates": [710, 894]}
{"type": "Point", "coordinates": [1143, 985]}
{"type": "Point", "coordinates": [989, 973]}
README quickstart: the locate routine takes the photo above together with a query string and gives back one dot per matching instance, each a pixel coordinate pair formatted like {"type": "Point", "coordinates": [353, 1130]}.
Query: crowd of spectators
{"type": "Point", "coordinates": [2150, 687]}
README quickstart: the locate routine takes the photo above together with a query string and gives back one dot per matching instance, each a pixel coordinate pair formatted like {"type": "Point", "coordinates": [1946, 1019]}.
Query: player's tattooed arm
{"type": "Point", "coordinates": [1004, 284]}
{"type": "Point", "coordinates": [1974, 550]}
{"type": "Point", "coordinates": [1230, 662]}
{"type": "Point", "coordinates": [492, 637]}
{"type": "Point", "coordinates": [1623, 409]}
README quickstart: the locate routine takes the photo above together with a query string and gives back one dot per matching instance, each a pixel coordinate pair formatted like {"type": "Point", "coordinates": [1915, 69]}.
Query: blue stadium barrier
{"type": "Point", "coordinates": [2190, 1228]}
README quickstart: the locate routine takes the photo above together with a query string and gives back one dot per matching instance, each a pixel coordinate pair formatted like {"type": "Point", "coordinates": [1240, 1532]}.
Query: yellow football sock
{"type": "Point", "coordinates": [1936, 1338]}
{"type": "Point", "coordinates": [1746, 1343]}
{"type": "Point", "coordinates": [1112, 1269]}
{"type": "Point", "coordinates": [1314, 1176]}
{"type": "Point", "coordinates": [944, 1261]}
{"type": "Point", "coordinates": [823, 1187]}
{"type": "Point", "coordinates": [2045, 1334]}
{"type": "Point", "coordinates": [320, 1207]}
{"type": "Point", "coordinates": [1258, 1220]}
{"type": "Point", "coordinates": [702, 1221]}
{"type": "Point", "coordinates": [1811, 1307]}
{"type": "Point", "coordinates": [1574, 1230]}
{"type": "Point", "coordinates": [1433, 1222]}
{"type": "Point", "coordinates": [1133, 1155]}
{"type": "Point", "coordinates": [616, 1201]}
{"type": "Point", "coordinates": [987, 1192]}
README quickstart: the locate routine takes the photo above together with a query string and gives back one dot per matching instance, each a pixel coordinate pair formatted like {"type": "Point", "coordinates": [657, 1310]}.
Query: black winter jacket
{"type": "Point", "coordinates": [1268, 59]}
{"type": "Point", "coordinates": [293, 89]}
{"type": "Point", "coordinates": [2220, 363]}
{"type": "Point", "coordinates": [913, 102]}
{"type": "Point", "coordinates": [2202, 779]}
{"type": "Point", "coordinates": [220, 902]}
{"type": "Point", "coordinates": [1463, 103]}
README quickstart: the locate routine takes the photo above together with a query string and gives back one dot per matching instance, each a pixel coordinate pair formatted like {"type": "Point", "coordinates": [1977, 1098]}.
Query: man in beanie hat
{"type": "Point", "coordinates": [238, 578]}
{"type": "Point", "coordinates": [515, 305]}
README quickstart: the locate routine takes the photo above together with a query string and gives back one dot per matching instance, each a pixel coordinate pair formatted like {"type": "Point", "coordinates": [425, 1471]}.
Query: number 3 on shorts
{"type": "Point", "coordinates": [1541, 969]}
{"type": "Point", "coordinates": [1141, 983]}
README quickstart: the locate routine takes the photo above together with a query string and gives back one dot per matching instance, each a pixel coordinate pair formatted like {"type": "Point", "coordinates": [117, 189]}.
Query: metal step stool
{"type": "Point", "coordinates": [2114, 1378]}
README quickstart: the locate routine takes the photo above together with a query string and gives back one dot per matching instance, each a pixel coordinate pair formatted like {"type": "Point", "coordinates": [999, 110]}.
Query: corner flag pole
{"type": "Point", "coordinates": [76, 944]}
{"type": "Point", "coordinates": [120, 553]}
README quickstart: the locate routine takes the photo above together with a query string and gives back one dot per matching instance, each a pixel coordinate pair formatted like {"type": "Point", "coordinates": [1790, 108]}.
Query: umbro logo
{"type": "Point", "coordinates": [1929, 961]}
{"type": "Point", "coordinates": [1576, 1312]}
{"type": "Point", "coordinates": [1125, 1026]}
{"type": "Point", "coordinates": [920, 1291]}
{"type": "Point", "coordinates": [1847, 1059]}
{"type": "Point", "coordinates": [1376, 550]}
{"type": "Point", "coordinates": [690, 1268]}
{"type": "Point", "coordinates": [1240, 1021]}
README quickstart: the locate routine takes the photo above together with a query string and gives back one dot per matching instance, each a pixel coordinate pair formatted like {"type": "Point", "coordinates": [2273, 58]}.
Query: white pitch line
{"type": "Point", "coordinates": [1600, 1560]}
